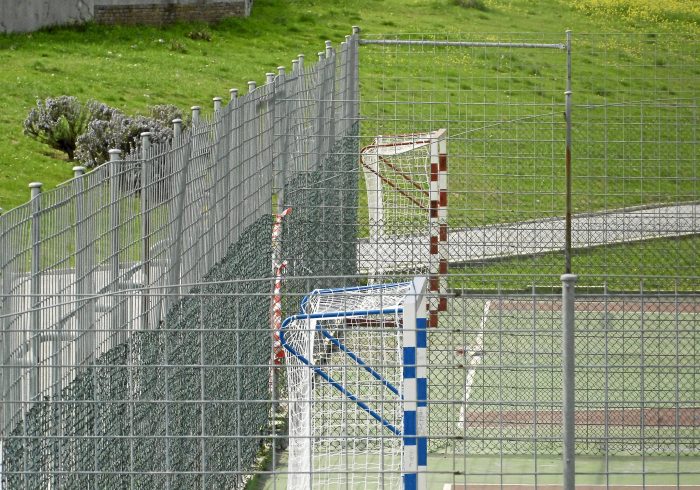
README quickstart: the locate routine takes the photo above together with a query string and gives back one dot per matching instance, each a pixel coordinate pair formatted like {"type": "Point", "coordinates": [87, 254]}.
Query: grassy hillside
{"type": "Point", "coordinates": [132, 68]}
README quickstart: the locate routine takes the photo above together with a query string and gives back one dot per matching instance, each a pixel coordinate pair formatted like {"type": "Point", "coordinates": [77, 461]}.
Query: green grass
{"type": "Point", "coordinates": [134, 67]}
{"type": "Point", "coordinates": [666, 265]}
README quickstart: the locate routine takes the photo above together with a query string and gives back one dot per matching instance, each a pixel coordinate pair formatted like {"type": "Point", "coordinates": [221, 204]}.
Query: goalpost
{"type": "Point", "coordinates": [357, 380]}
{"type": "Point", "coordinates": [406, 181]}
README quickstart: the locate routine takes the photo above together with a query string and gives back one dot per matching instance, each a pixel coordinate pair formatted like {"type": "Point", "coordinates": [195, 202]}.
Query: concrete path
{"type": "Point", "coordinates": [482, 243]}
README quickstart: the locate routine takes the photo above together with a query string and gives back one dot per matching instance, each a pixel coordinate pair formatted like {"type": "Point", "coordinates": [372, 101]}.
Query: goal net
{"type": "Point", "coordinates": [356, 372]}
{"type": "Point", "coordinates": [406, 181]}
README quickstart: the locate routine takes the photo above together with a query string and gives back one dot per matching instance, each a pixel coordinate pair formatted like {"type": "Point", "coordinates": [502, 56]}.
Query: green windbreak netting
{"type": "Point", "coordinates": [320, 235]}
{"type": "Point", "coordinates": [182, 406]}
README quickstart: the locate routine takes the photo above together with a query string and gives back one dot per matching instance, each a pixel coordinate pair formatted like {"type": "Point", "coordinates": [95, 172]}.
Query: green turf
{"type": "Point", "coordinates": [541, 469]}
{"type": "Point", "coordinates": [624, 359]}
{"type": "Point", "coordinates": [665, 264]}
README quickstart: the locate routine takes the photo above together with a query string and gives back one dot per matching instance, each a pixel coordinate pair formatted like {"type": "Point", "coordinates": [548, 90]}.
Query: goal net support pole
{"type": "Point", "coordinates": [415, 379]}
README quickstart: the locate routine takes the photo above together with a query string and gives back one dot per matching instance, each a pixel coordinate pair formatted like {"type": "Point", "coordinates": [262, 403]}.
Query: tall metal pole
{"type": "Point", "coordinates": [35, 292]}
{"type": "Point", "coordinates": [567, 247]}
{"type": "Point", "coordinates": [145, 227]}
{"type": "Point", "coordinates": [568, 282]}
{"type": "Point", "coordinates": [114, 220]}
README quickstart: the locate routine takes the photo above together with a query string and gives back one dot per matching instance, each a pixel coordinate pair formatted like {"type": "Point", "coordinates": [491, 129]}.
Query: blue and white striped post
{"type": "Point", "coordinates": [415, 387]}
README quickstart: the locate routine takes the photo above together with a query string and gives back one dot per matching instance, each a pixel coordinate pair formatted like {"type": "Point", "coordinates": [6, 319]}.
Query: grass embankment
{"type": "Point", "coordinates": [502, 108]}
{"type": "Point", "coordinates": [134, 67]}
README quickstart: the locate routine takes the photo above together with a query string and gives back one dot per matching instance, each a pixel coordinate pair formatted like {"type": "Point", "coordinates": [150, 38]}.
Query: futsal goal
{"type": "Point", "coordinates": [357, 378]}
{"type": "Point", "coordinates": [405, 178]}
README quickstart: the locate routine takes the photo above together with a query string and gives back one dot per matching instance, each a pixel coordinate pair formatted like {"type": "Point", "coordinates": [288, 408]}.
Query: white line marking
{"type": "Point", "coordinates": [477, 355]}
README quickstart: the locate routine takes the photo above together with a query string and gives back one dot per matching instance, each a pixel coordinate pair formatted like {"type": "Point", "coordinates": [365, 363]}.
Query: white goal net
{"type": "Point", "coordinates": [403, 182]}
{"type": "Point", "coordinates": [355, 362]}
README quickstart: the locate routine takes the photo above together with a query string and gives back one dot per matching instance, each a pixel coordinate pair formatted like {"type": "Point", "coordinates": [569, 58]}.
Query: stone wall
{"type": "Point", "coordinates": [30, 15]}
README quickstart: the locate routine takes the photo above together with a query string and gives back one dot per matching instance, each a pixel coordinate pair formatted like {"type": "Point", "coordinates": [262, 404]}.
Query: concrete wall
{"type": "Point", "coordinates": [160, 13]}
{"type": "Point", "coordinates": [30, 15]}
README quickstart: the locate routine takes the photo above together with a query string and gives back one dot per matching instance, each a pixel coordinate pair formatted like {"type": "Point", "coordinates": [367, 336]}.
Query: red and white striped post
{"type": "Point", "coordinates": [434, 260]}
{"type": "Point", "coordinates": [278, 351]}
{"type": "Point", "coordinates": [438, 227]}
{"type": "Point", "coordinates": [442, 221]}
{"type": "Point", "coordinates": [278, 270]}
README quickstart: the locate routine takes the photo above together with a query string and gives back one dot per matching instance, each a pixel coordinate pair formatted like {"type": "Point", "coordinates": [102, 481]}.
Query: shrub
{"type": "Point", "coordinates": [471, 4]}
{"type": "Point", "coordinates": [199, 36]}
{"type": "Point", "coordinates": [59, 121]}
{"type": "Point", "coordinates": [120, 131]}
{"type": "Point", "coordinates": [165, 113]}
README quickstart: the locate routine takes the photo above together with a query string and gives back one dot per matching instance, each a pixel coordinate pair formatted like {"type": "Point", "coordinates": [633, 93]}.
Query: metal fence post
{"type": "Point", "coordinates": [195, 114]}
{"type": "Point", "coordinates": [567, 247]}
{"type": "Point", "coordinates": [355, 70]}
{"type": "Point", "coordinates": [281, 119]}
{"type": "Point", "coordinates": [83, 272]}
{"type": "Point", "coordinates": [174, 275]}
{"type": "Point", "coordinates": [145, 227]}
{"type": "Point", "coordinates": [568, 282]}
{"type": "Point", "coordinates": [34, 291]}
{"type": "Point", "coordinates": [330, 75]}
{"type": "Point", "coordinates": [6, 322]}
{"type": "Point", "coordinates": [114, 220]}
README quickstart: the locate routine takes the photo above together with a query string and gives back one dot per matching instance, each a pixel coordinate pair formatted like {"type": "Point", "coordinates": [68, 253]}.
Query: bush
{"type": "Point", "coordinates": [120, 131]}
{"type": "Point", "coordinates": [165, 113]}
{"type": "Point", "coordinates": [470, 4]}
{"type": "Point", "coordinates": [59, 121]}
{"type": "Point", "coordinates": [199, 35]}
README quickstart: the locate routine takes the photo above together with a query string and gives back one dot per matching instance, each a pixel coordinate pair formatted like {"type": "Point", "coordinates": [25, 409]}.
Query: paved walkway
{"type": "Point", "coordinates": [482, 243]}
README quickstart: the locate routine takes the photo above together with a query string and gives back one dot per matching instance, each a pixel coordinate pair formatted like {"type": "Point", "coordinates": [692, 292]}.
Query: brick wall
{"type": "Point", "coordinates": [160, 14]}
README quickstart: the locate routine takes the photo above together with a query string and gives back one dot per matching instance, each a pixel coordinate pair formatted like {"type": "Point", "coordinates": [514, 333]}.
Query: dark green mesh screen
{"type": "Point", "coordinates": [320, 236]}
{"type": "Point", "coordinates": [183, 406]}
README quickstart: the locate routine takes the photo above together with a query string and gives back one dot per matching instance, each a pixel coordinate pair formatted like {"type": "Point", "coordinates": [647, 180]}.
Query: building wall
{"type": "Point", "coordinates": [160, 13]}
{"type": "Point", "coordinates": [30, 15]}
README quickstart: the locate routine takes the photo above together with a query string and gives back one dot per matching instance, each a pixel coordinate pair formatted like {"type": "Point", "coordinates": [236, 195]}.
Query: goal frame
{"type": "Point", "coordinates": [379, 153]}
{"type": "Point", "coordinates": [414, 380]}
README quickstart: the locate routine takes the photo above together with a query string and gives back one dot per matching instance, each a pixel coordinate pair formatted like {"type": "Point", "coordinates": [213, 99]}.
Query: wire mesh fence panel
{"type": "Point", "coordinates": [496, 406]}
{"type": "Point", "coordinates": [142, 302]}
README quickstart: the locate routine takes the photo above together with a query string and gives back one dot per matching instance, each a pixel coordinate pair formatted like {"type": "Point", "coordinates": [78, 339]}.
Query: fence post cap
{"type": "Point", "coordinates": [35, 185]}
{"type": "Point", "coordinates": [570, 278]}
{"type": "Point", "coordinates": [78, 168]}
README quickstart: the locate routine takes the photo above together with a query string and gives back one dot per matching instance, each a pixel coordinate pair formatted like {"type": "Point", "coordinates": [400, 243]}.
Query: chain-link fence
{"type": "Point", "coordinates": [626, 214]}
